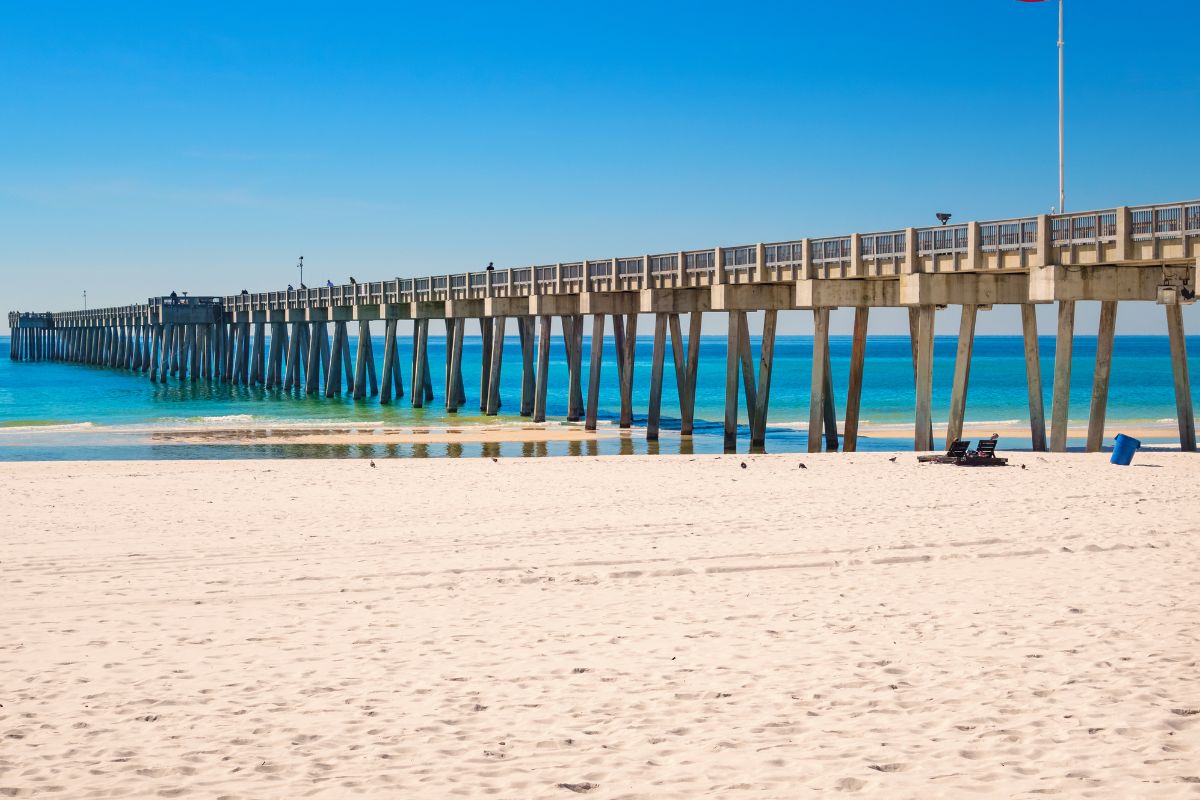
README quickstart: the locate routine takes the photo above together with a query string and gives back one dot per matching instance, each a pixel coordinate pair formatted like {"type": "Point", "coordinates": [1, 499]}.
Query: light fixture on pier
{"type": "Point", "coordinates": [1174, 291]}
{"type": "Point", "coordinates": [943, 217]}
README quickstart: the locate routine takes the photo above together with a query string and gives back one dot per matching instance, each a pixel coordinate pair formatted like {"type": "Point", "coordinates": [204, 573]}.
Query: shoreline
{"type": "Point", "coordinates": [334, 432]}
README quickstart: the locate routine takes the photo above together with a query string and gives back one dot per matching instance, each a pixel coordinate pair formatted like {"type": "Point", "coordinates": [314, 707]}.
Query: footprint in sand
{"type": "Point", "coordinates": [579, 788]}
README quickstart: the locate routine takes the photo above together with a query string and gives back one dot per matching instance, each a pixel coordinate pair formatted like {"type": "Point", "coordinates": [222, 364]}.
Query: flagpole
{"type": "Point", "coordinates": [1062, 195]}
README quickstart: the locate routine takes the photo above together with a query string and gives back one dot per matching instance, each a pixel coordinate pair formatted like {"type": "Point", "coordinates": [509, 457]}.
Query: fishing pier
{"type": "Point", "coordinates": [297, 341]}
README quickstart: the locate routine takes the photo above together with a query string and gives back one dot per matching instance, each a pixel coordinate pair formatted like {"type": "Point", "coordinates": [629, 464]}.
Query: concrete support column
{"type": "Point", "coordinates": [858, 352]}
{"type": "Point", "coordinates": [574, 367]}
{"type": "Point", "coordinates": [426, 369]}
{"type": "Point", "coordinates": [627, 360]}
{"type": "Point", "coordinates": [347, 361]}
{"type": "Point", "coordinates": [657, 357]}
{"type": "Point", "coordinates": [1183, 386]}
{"type": "Point", "coordinates": [923, 437]}
{"type": "Point", "coordinates": [1033, 377]}
{"type": "Point", "coordinates": [543, 370]}
{"type": "Point", "coordinates": [732, 365]}
{"type": "Point", "coordinates": [766, 363]}
{"type": "Point", "coordinates": [688, 409]}
{"type": "Point", "coordinates": [316, 362]}
{"type": "Point", "coordinates": [1104, 351]}
{"type": "Point", "coordinates": [820, 362]}
{"type": "Point", "coordinates": [597, 356]}
{"type": "Point", "coordinates": [1063, 346]}
{"type": "Point", "coordinates": [363, 356]}
{"type": "Point", "coordinates": [459, 391]}
{"type": "Point", "coordinates": [486, 333]}
{"type": "Point", "coordinates": [962, 374]}
{"type": "Point", "coordinates": [333, 376]}
{"type": "Point", "coordinates": [528, 377]}
{"type": "Point", "coordinates": [389, 359]}
{"type": "Point", "coordinates": [678, 348]}
{"type": "Point", "coordinates": [170, 351]}
{"type": "Point", "coordinates": [747, 366]}
{"type": "Point", "coordinates": [493, 398]}
{"type": "Point", "coordinates": [420, 354]}
{"type": "Point", "coordinates": [914, 315]}
{"type": "Point", "coordinates": [155, 351]}
{"type": "Point", "coordinates": [247, 346]}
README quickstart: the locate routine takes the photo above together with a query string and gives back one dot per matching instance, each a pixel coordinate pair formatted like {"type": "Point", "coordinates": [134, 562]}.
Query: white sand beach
{"type": "Point", "coordinates": [623, 627]}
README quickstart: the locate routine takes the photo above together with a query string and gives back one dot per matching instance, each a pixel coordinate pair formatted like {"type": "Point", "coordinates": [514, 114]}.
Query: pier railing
{"type": "Point", "coordinates": [1116, 235]}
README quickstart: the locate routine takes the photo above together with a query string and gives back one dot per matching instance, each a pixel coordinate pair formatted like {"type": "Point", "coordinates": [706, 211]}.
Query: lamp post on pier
{"type": "Point", "coordinates": [1062, 193]}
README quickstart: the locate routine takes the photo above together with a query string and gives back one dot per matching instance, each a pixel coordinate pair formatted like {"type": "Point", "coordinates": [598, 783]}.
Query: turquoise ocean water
{"type": "Point", "coordinates": [63, 411]}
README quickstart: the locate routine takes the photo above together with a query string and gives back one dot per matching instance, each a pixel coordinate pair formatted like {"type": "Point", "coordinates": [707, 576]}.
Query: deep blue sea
{"type": "Point", "coordinates": [65, 411]}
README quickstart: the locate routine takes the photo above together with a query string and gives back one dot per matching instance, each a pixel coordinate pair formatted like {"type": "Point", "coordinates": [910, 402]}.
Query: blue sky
{"type": "Point", "coordinates": [158, 146]}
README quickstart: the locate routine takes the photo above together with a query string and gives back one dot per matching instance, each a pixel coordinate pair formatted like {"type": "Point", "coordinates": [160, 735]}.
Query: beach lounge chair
{"type": "Point", "coordinates": [984, 456]}
{"type": "Point", "coordinates": [957, 450]}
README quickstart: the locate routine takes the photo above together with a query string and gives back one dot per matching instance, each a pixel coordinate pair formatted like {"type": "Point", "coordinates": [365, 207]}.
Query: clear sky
{"type": "Point", "coordinates": [204, 146]}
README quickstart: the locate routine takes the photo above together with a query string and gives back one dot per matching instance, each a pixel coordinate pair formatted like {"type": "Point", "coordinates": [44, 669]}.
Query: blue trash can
{"type": "Point", "coordinates": [1123, 449]}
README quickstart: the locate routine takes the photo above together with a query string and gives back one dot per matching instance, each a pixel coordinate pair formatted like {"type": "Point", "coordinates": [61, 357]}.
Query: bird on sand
{"type": "Point", "coordinates": [893, 458]}
{"type": "Point", "coordinates": [802, 465]}
{"type": "Point", "coordinates": [372, 465]}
